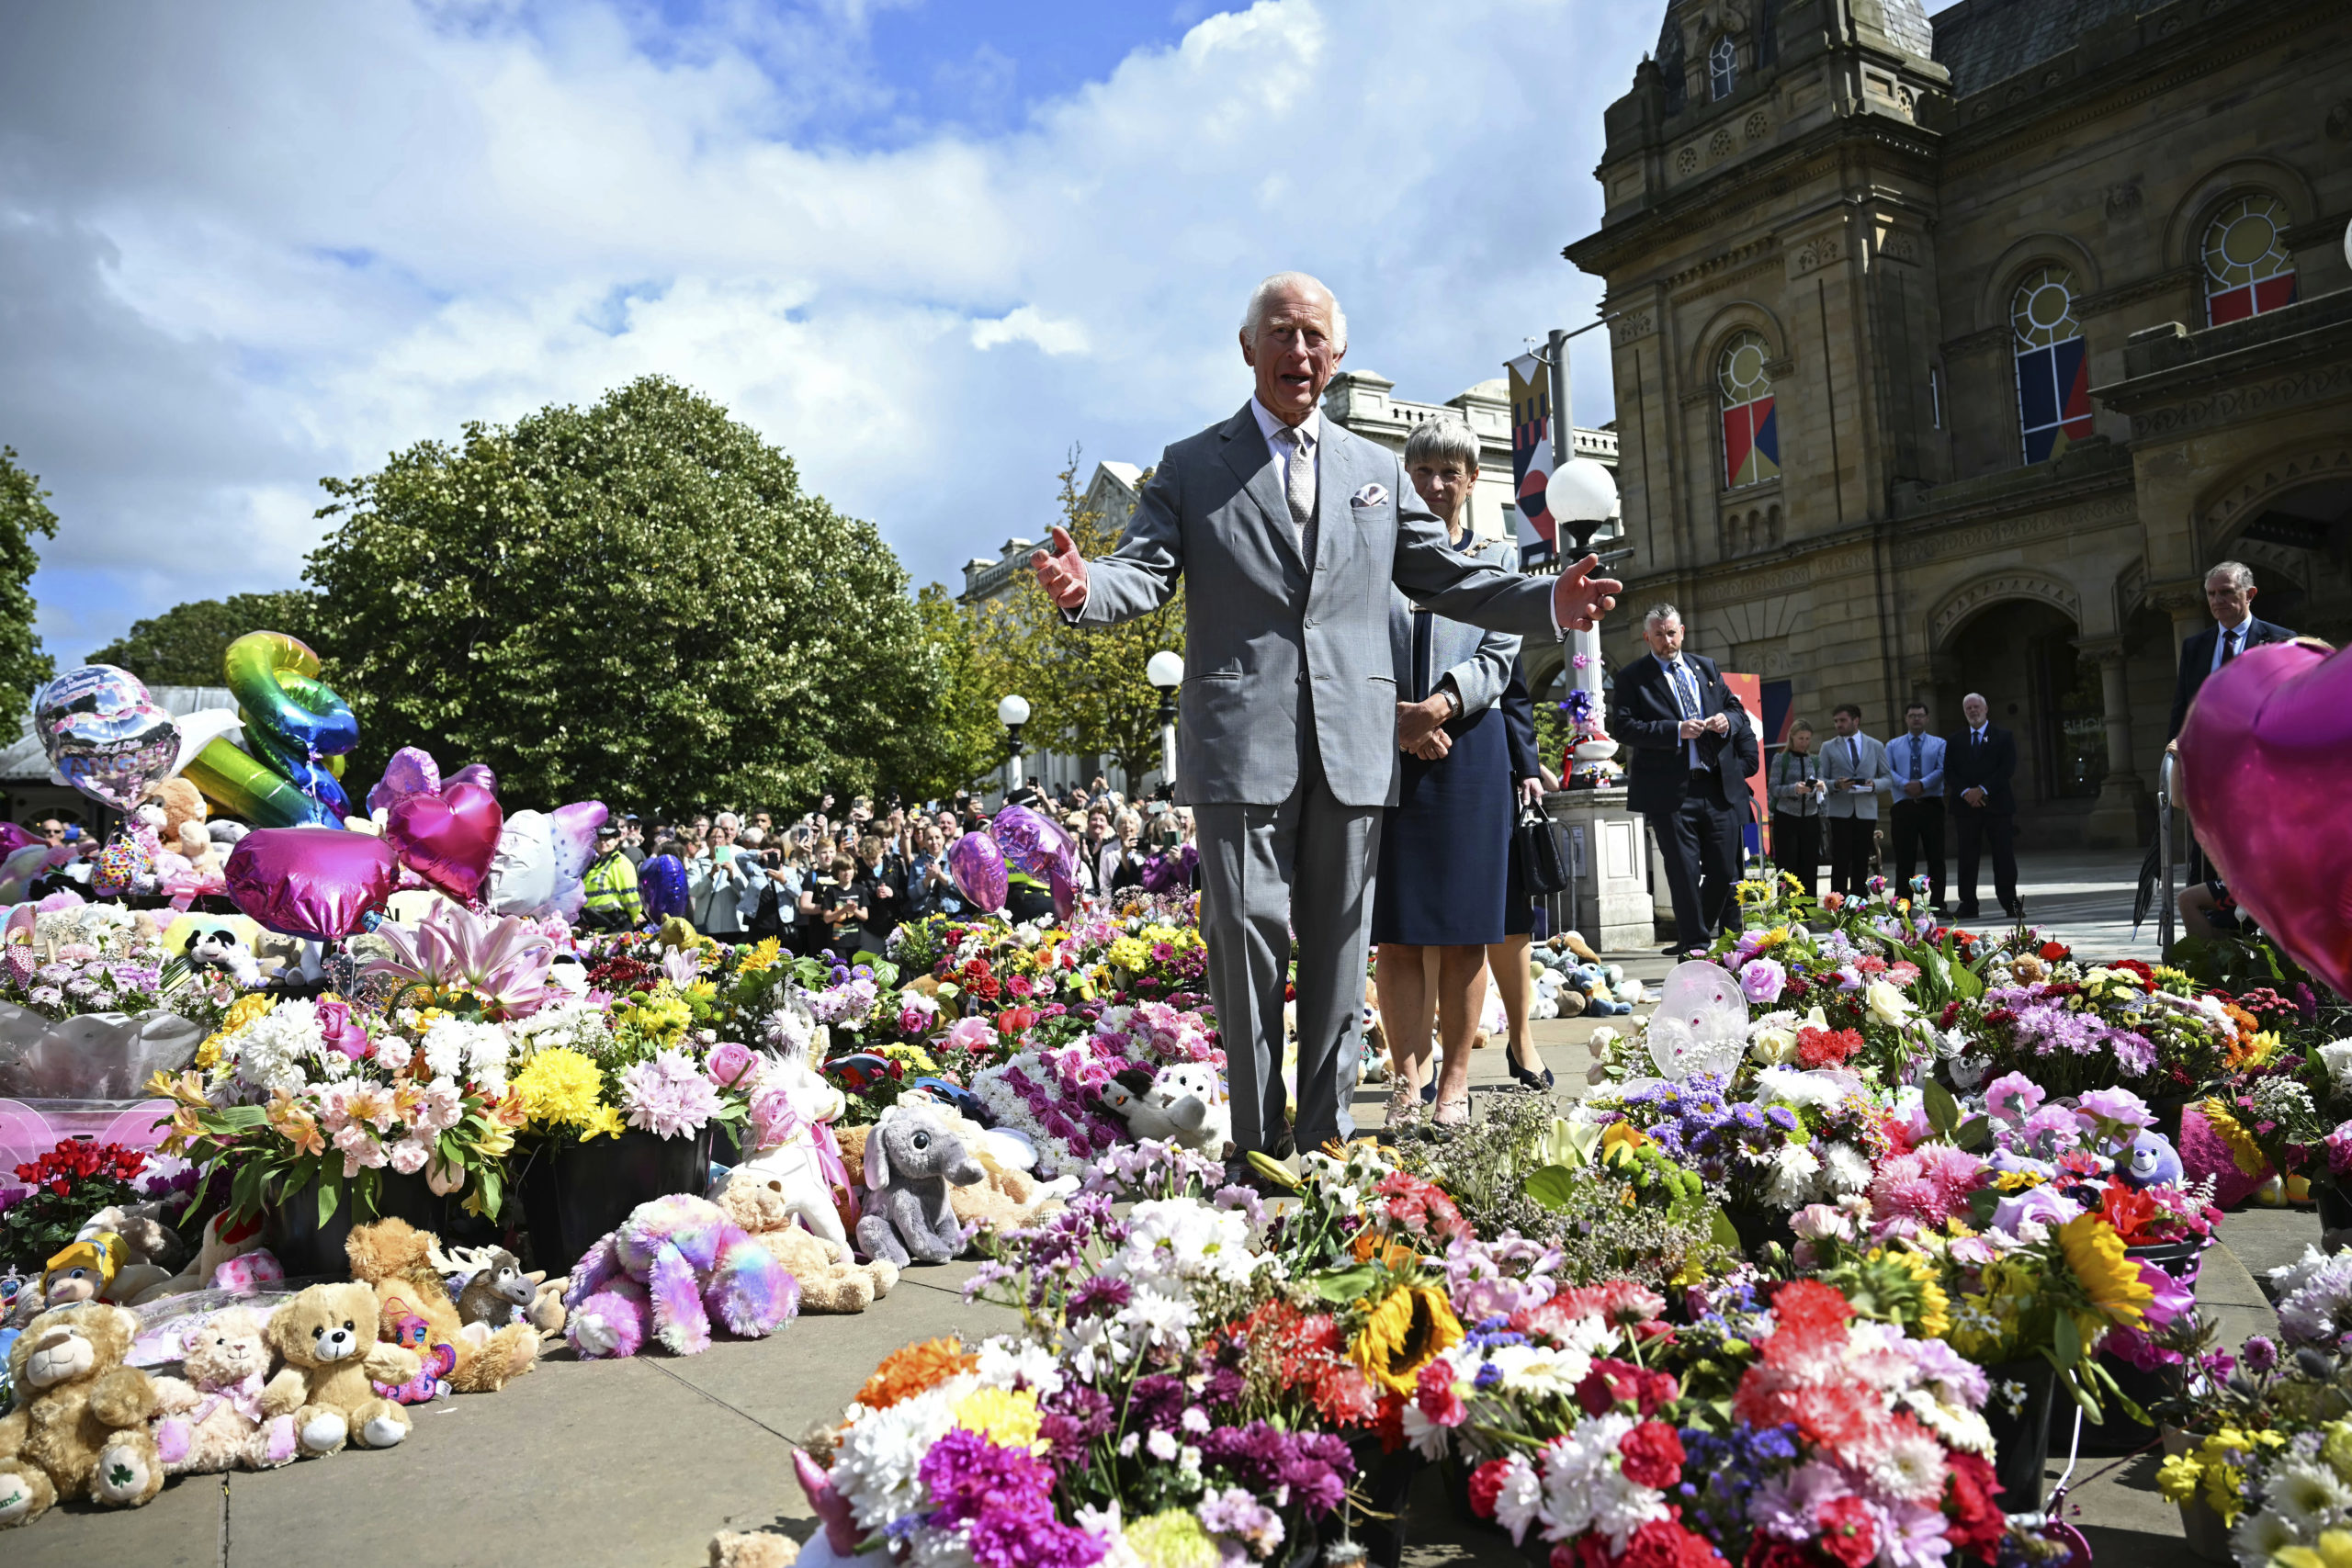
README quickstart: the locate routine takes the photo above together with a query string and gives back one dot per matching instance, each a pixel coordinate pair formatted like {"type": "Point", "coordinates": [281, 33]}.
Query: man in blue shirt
{"type": "Point", "coordinates": [1916, 761]}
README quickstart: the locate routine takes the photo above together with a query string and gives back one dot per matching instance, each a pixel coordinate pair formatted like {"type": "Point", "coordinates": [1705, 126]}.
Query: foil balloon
{"type": "Point", "coordinates": [1023, 835]}
{"type": "Point", "coordinates": [478, 774]}
{"type": "Point", "coordinates": [523, 872]}
{"type": "Point", "coordinates": [311, 882]}
{"type": "Point", "coordinates": [1063, 886]}
{"type": "Point", "coordinates": [977, 866]}
{"type": "Point", "coordinates": [412, 770]}
{"type": "Point", "coordinates": [103, 736]}
{"type": "Point", "coordinates": [575, 847]}
{"type": "Point", "coordinates": [447, 839]}
{"type": "Point", "coordinates": [297, 731]}
{"type": "Point", "coordinates": [2262, 761]}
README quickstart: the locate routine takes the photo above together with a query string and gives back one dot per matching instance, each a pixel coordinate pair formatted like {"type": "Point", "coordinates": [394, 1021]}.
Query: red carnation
{"type": "Point", "coordinates": [1662, 1543]}
{"type": "Point", "coordinates": [1977, 1523]}
{"type": "Point", "coordinates": [1651, 1455]}
{"type": "Point", "coordinates": [1848, 1531]}
{"type": "Point", "coordinates": [1486, 1486]}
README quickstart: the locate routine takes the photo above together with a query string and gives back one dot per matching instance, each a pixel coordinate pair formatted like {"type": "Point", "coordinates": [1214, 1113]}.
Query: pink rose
{"type": "Point", "coordinates": [343, 1032]}
{"type": "Point", "coordinates": [729, 1063]}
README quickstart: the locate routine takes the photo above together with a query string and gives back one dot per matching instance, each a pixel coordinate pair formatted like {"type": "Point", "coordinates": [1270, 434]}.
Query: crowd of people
{"type": "Point", "coordinates": [843, 877]}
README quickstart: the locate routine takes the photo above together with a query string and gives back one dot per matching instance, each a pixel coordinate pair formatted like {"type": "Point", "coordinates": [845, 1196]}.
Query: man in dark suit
{"type": "Point", "coordinates": [1979, 766]}
{"type": "Point", "coordinates": [1673, 711]}
{"type": "Point", "coordinates": [2229, 593]}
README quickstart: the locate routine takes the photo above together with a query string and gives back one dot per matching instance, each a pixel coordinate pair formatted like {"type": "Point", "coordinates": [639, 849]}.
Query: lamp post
{"type": "Point", "coordinates": [1013, 712]}
{"type": "Point", "coordinates": [1166, 670]}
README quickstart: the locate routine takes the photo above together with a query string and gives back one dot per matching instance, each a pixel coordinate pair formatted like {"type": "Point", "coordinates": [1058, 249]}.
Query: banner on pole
{"type": "Point", "coordinates": [1531, 446]}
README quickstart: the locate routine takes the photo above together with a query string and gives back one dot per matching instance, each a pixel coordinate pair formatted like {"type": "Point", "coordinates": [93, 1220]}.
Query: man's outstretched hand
{"type": "Point", "coordinates": [1578, 598]}
{"type": "Point", "coordinates": [1062, 571]}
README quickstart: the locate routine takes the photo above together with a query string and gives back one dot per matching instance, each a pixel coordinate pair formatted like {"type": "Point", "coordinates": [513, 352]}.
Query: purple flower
{"type": "Point", "coordinates": [1762, 980]}
{"type": "Point", "coordinates": [2261, 1354]}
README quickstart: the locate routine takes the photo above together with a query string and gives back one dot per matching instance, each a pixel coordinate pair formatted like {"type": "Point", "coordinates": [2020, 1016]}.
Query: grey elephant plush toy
{"type": "Point", "coordinates": [910, 1160]}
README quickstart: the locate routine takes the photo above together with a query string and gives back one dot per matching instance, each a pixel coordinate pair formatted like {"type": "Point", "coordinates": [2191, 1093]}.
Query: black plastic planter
{"type": "Point", "coordinates": [2021, 1440]}
{"type": "Point", "coordinates": [572, 1193]}
{"type": "Point", "coordinates": [307, 1249]}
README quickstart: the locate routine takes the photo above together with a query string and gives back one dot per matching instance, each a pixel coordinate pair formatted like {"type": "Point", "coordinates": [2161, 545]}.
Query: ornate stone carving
{"type": "Point", "coordinates": [1993, 534]}
{"type": "Point", "coordinates": [2232, 404]}
{"type": "Point", "coordinates": [1760, 126]}
{"type": "Point", "coordinates": [2292, 471]}
{"type": "Point", "coordinates": [1900, 244]}
{"type": "Point", "coordinates": [1817, 253]}
{"type": "Point", "coordinates": [1632, 326]}
{"type": "Point", "coordinates": [1721, 144]}
{"type": "Point", "coordinates": [2122, 199]}
{"type": "Point", "coordinates": [2031, 585]}
{"type": "Point", "coordinates": [1686, 162]}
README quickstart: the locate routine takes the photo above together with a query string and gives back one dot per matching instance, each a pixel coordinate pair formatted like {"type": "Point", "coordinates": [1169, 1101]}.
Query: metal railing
{"type": "Point", "coordinates": [2167, 775]}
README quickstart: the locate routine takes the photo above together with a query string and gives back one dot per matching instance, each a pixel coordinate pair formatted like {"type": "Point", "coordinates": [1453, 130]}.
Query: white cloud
{"type": "Point", "coordinates": [243, 247]}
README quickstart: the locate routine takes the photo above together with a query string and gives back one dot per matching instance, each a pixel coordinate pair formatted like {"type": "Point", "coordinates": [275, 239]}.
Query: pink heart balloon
{"type": "Point", "coordinates": [447, 839]}
{"type": "Point", "coordinates": [412, 770]}
{"type": "Point", "coordinates": [311, 882]}
{"type": "Point", "coordinates": [2263, 758]}
{"type": "Point", "coordinates": [977, 866]}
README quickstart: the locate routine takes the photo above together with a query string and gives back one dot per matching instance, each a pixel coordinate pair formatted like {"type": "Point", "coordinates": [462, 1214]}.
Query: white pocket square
{"type": "Point", "coordinates": [1371, 495]}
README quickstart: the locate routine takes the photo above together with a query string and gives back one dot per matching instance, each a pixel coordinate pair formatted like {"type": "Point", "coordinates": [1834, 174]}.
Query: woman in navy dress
{"type": "Point", "coordinates": [1445, 846]}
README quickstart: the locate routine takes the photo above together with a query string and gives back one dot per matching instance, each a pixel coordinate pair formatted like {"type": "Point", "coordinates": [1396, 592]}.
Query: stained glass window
{"type": "Point", "coordinates": [2054, 365]}
{"type": "Point", "coordinates": [2248, 269]}
{"type": "Point", "coordinates": [1723, 68]}
{"type": "Point", "coordinates": [1751, 437]}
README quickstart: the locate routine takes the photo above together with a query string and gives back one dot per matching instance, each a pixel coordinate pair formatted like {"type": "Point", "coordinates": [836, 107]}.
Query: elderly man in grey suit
{"type": "Point", "coordinates": [1290, 530]}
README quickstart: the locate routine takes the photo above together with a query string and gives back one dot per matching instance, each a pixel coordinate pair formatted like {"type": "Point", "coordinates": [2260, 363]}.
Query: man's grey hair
{"type": "Point", "coordinates": [1661, 613]}
{"type": "Point", "coordinates": [1444, 439]}
{"type": "Point", "coordinates": [2236, 572]}
{"type": "Point", "coordinates": [1973, 697]}
{"type": "Point", "coordinates": [1254, 316]}
{"type": "Point", "coordinates": [726, 819]}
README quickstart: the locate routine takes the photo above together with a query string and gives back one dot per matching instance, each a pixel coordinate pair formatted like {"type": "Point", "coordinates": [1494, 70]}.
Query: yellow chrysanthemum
{"type": "Point", "coordinates": [1413, 1325]}
{"type": "Point", "coordinates": [760, 956]}
{"type": "Point", "coordinates": [2109, 1276]}
{"type": "Point", "coordinates": [1007, 1418]}
{"type": "Point", "coordinates": [1130, 953]}
{"type": "Point", "coordinates": [1172, 1539]}
{"type": "Point", "coordinates": [602, 1122]}
{"type": "Point", "coordinates": [561, 1088]}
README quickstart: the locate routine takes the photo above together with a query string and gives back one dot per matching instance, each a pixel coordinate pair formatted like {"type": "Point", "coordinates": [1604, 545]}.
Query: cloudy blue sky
{"type": "Point", "coordinates": [924, 245]}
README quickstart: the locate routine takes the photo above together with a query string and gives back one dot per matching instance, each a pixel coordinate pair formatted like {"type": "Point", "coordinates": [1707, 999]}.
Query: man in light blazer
{"type": "Point", "coordinates": [1290, 530]}
{"type": "Point", "coordinates": [1855, 767]}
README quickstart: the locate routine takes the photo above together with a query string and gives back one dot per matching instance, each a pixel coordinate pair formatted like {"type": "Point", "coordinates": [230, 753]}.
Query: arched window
{"type": "Point", "coordinates": [1723, 68]}
{"type": "Point", "coordinates": [2054, 365]}
{"type": "Point", "coordinates": [1751, 438]}
{"type": "Point", "coordinates": [2248, 269]}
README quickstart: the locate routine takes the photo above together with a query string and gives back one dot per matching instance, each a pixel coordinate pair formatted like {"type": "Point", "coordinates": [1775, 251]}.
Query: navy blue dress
{"type": "Point", "coordinates": [1446, 845]}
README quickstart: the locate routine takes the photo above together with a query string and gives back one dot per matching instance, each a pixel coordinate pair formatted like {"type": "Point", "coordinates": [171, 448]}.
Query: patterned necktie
{"type": "Point", "coordinates": [1687, 695]}
{"type": "Point", "coordinates": [2230, 644]}
{"type": "Point", "coordinates": [1299, 484]}
{"type": "Point", "coordinates": [1914, 761]}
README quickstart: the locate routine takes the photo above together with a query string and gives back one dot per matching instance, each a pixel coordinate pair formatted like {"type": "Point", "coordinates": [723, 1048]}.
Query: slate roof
{"type": "Point", "coordinates": [1984, 41]}
{"type": "Point", "coordinates": [1907, 27]}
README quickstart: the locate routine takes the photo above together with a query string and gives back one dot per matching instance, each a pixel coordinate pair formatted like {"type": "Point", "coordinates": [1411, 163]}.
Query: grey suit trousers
{"type": "Point", "coordinates": [1254, 860]}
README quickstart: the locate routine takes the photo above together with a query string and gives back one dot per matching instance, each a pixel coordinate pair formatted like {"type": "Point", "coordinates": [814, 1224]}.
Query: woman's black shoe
{"type": "Point", "coordinates": [1428, 1090]}
{"type": "Point", "coordinates": [1526, 1078]}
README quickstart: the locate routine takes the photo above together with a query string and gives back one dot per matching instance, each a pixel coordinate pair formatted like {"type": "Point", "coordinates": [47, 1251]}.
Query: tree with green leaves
{"type": "Point", "coordinates": [964, 742]}
{"type": "Point", "coordinates": [183, 646]}
{"type": "Point", "coordinates": [1087, 689]}
{"type": "Point", "coordinates": [636, 603]}
{"type": "Point", "coordinates": [24, 512]}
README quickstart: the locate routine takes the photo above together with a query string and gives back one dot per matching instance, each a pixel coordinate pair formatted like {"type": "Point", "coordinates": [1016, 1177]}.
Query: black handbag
{"type": "Point", "coordinates": [1543, 853]}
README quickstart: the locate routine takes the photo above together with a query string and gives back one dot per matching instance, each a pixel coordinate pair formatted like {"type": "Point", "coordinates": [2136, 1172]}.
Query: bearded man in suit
{"type": "Point", "coordinates": [1290, 530]}
{"type": "Point", "coordinates": [1980, 766]}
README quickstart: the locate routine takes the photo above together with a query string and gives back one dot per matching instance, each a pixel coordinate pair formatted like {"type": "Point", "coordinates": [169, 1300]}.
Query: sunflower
{"type": "Point", "coordinates": [1410, 1327]}
{"type": "Point", "coordinates": [2243, 1151]}
{"type": "Point", "coordinates": [2105, 1269]}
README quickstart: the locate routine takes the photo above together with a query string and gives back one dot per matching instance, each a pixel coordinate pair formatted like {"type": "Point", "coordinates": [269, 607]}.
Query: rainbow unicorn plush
{"type": "Point", "coordinates": [675, 1264]}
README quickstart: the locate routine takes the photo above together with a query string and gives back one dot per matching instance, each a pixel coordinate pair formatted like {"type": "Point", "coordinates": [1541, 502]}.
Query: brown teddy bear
{"type": "Point", "coordinates": [828, 1281]}
{"type": "Point", "coordinates": [212, 1418]}
{"type": "Point", "coordinates": [327, 1338]}
{"type": "Point", "coordinates": [184, 832]}
{"type": "Point", "coordinates": [80, 1426]}
{"type": "Point", "coordinates": [404, 1267]}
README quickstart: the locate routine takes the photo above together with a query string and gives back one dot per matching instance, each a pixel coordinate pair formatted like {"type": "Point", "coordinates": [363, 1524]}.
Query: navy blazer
{"type": "Point", "coordinates": [1991, 771]}
{"type": "Point", "coordinates": [2196, 662]}
{"type": "Point", "coordinates": [1644, 717]}
{"type": "Point", "coordinates": [1519, 726]}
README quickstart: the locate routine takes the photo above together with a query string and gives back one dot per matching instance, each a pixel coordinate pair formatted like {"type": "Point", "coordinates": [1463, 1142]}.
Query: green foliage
{"type": "Point", "coordinates": [1087, 690]}
{"type": "Point", "coordinates": [183, 647]}
{"type": "Point", "coordinates": [24, 512]}
{"type": "Point", "coordinates": [964, 740]}
{"type": "Point", "coordinates": [636, 603]}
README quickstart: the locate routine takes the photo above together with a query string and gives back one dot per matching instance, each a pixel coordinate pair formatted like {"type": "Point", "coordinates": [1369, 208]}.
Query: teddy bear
{"type": "Point", "coordinates": [212, 1417]}
{"type": "Point", "coordinates": [79, 1428]}
{"type": "Point", "coordinates": [182, 830]}
{"type": "Point", "coordinates": [232, 1259]}
{"type": "Point", "coordinates": [830, 1281]}
{"type": "Point", "coordinates": [405, 1267]}
{"type": "Point", "coordinates": [912, 1160]}
{"type": "Point", "coordinates": [333, 1361]}
{"type": "Point", "coordinates": [674, 1264]}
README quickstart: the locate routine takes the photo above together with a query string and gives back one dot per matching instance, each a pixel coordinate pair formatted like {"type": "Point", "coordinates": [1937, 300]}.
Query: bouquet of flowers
{"type": "Point", "coordinates": [66, 1186]}
{"type": "Point", "coordinates": [582, 1074]}
{"type": "Point", "coordinates": [293, 1095]}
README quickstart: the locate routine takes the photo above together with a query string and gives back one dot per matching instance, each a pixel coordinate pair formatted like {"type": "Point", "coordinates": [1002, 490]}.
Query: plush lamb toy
{"type": "Point", "coordinates": [674, 1264]}
{"type": "Point", "coordinates": [212, 1418]}
{"type": "Point", "coordinates": [1179, 1081]}
{"type": "Point", "coordinates": [911, 1159]}
{"type": "Point", "coordinates": [327, 1338]}
{"type": "Point", "coordinates": [80, 1426]}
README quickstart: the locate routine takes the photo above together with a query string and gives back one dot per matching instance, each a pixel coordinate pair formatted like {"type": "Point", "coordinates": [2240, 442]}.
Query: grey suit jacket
{"type": "Point", "coordinates": [1271, 645]}
{"type": "Point", "coordinates": [1860, 757]}
{"type": "Point", "coordinates": [1479, 661]}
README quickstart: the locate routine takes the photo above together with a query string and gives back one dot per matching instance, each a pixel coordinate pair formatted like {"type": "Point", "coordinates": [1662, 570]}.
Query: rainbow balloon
{"type": "Point", "coordinates": [297, 731]}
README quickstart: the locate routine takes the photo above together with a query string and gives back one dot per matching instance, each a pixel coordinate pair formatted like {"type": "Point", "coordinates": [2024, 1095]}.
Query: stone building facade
{"type": "Point", "coordinates": [1950, 353]}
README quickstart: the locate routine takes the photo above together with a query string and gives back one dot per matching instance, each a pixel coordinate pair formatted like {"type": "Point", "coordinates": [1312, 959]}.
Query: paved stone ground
{"type": "Point", "coordinates": [639, 1462]}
